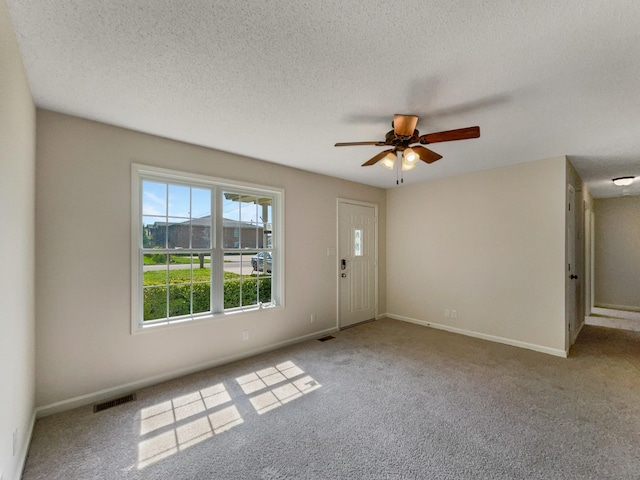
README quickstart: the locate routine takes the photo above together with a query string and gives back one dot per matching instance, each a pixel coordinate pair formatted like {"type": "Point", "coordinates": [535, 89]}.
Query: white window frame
{"type": "Point", "coordinates": [217, 185]}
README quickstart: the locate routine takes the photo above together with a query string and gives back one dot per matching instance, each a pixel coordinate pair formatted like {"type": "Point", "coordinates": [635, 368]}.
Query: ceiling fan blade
{"type": "Point", "coordinates": [377, 158]}
{"type": "Point", "coordinates": [426, 155]}
{"type": "Point", "coordinates": [351, 144]}
{"type": "Point", "coordinates": [449, 135]}
{"type": "Point", "coordinates": [404, 125]}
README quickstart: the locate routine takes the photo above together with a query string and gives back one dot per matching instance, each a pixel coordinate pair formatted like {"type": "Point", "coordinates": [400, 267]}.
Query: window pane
{"type": "Point", "coordinates": [230, 206]}
{"type": "Point", "coordinates": [264, 289]}
{"type": "Point", "coordinates": [155, 269]}
{"type": "Point", "coordinates": [249, 291]}
{"type": "Point", "coordinates": [265, 210]}
{"type": "Point", "coordinates": [179, 269]}
{"type": "Point", "coordinates": [200, 203]}
{"type": "Point", "coordinates": [179, 201]}
{"type": "Point", "coordinates": [201, 232]}
{"type": "Point", "coordinates": [266, 233]}
{"type": "Point", "coordinates": [261, 262]}
{"type": "Point", "coordinates": [249, 236]}
{"type": "Point", "coordinates": [179, 300]}
{"type": "Point", "coordinates": [357, 243]}
{"type": "Point", "coordinates": [203, 274]}
{"type": "Point", "coordinates": [178, 233]}
{"type": "Point", "coordinates": [154, 232]}
{"type": "Point", "coordinates": [154, 198]}
{"type": "Point", "coordinates": [200, 218]}
{"type": "Point", "coordinates": [242, 212]}
{"type": "Point", "coordinates": [248, 209]}
{"type": "Point", "coordinates": [155, 303]}
{"type": "Point", "coordinates": [265, 222]}
{"type": "Point", "coordinates": [235, 264]}
{"type": "Point", "coordinates": [201, 297]}
{"type": "Point", "coordinates": [201, 267]}
{"type": "Point", "coordinates": [231, 291]}
{"type": "Point", "coordinates": [230, 234]}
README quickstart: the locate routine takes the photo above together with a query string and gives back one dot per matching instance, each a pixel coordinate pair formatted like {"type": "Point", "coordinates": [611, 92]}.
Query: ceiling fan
{"type": "Point", "coordinates": [403, 137]}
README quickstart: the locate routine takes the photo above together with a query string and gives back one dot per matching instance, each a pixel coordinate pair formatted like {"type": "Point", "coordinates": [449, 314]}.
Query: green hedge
{"type": "Point", "coordinates": [251, 288]}
{"type": "Point", "coordinates": [254, 290]}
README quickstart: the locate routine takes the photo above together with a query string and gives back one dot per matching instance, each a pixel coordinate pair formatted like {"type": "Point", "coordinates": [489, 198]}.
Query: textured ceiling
{"type": "Point", "coordinates": [283, 81]}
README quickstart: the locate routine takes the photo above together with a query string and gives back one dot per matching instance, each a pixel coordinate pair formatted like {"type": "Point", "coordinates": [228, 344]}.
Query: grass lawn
{"type": "Point", "coordinates": [183, 275]}
{"type": "Point", "coordinates": [158, 259]}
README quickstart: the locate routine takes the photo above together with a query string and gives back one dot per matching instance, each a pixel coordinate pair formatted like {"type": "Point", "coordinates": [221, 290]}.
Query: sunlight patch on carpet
{"type": "Point", "coordinates": [282, 385]}
{"type": "Point", "coordinates": [174, 425]}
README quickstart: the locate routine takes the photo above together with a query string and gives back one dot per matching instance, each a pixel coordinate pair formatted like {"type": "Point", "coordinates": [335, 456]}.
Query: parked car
{"type": "Point", "coordinates": [257, 262]}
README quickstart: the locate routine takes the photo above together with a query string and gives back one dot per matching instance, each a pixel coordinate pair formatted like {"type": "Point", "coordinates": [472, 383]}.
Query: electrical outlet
{"type": "Point", "coordinates": [245, 335]}
{"type": "Point", "coordinates": [454, 313]}
{"type": "Point", "coordinates": [313, 318]}
{"type": "Point", "coordinates": [447, 313]}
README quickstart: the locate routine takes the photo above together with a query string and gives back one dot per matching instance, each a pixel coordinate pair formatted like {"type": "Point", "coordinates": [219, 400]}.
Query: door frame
{"type": "Point", "coordinates": [572, 307]}
{"type": "Point", "coordinates": [602, 315]}
{"type": "Point", "coordinates": [340, 201]}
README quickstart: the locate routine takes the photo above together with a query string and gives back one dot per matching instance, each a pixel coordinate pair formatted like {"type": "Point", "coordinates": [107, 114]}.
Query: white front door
{"type": "Point", "coordinates": [357, 257]}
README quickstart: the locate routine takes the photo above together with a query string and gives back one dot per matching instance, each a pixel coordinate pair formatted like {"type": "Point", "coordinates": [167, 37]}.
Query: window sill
{"type": "Point", "coordinates": [194, 320]}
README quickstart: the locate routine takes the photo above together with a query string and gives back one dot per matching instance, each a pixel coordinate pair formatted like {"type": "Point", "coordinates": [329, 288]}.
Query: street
{"type": "Point", "coordinates": [232, 264]}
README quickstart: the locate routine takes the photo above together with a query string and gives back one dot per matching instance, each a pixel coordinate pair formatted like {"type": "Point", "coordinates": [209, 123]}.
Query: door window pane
{"type": "Point", "coordinates": [357, 243]}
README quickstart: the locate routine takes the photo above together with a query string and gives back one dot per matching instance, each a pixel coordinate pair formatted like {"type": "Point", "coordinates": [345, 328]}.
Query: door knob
{"type": "Point", "coordinates": [573, 277]}
{"type": "Point", "coordinates": [344, 275]}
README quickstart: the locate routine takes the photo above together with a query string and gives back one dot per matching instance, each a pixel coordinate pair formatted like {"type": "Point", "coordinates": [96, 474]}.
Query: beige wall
{"type": "Point", "coordinates": [490, 245]}
{"type": "Point", "coordinates": [617, 253]}
{"type": "Point", "coordinates": [83, 252]}
{"type": "Point", "coordinates": [17, 217]}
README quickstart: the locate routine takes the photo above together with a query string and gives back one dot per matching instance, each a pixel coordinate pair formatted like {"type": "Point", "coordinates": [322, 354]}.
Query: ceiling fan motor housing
{"type": "Point", "coordinates": [391, 138]}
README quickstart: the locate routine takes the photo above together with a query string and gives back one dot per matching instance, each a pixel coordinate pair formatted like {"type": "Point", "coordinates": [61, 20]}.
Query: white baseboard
{"type": "Point", "coordinates": [125, 388]}
{"type": "Point", "coordinates": [612, 322]}
{"type": "Point", "coordinates": [470, 333]}
{"type": "Point", "coordinates": [616, 313]}
{"type": "Point", "coordinates": [381, 315]}
{"type": "Point", "coordinates": [24, 448]}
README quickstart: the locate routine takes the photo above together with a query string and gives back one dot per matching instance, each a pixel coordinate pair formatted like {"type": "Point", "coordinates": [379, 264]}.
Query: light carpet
{"type": "Point", "coordinates": [384, 400]}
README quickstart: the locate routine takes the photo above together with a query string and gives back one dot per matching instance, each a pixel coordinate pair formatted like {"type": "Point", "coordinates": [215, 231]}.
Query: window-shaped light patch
{"type": "Point", "coordinates": [276, 386]}
{"type": "Point", "coordinates": [179, 423]}
{"type": "Point", "coordinates": [171, 426]}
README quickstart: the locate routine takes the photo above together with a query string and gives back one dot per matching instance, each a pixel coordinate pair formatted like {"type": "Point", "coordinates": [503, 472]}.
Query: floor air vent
{"type": "Point", "coordinates": [324, 339]}
{"type": "Point", "coordinates": [98, 407]}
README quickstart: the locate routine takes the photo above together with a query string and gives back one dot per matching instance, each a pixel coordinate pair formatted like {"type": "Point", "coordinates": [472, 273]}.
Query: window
{"type": "Point", "coordinates": [202, 247]}
{"type": "Point", "coordinates": [357, 242]}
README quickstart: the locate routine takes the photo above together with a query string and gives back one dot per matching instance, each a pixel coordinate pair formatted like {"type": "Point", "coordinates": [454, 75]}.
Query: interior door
{"type": "Point", "coordinates": [572, 270]}
{"type": "Point", "coordinates": [357, 257]}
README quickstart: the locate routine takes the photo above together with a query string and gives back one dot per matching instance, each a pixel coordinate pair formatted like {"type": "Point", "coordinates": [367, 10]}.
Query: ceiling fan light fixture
{"type": "Point", "coordinates": [409, 156]}
{"type": "Point", "coordinates": [389, 160]}
{"type": "Point", "coordinates": [406, 165]}
{"type": "Point", "coordinates": [623, 181]}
